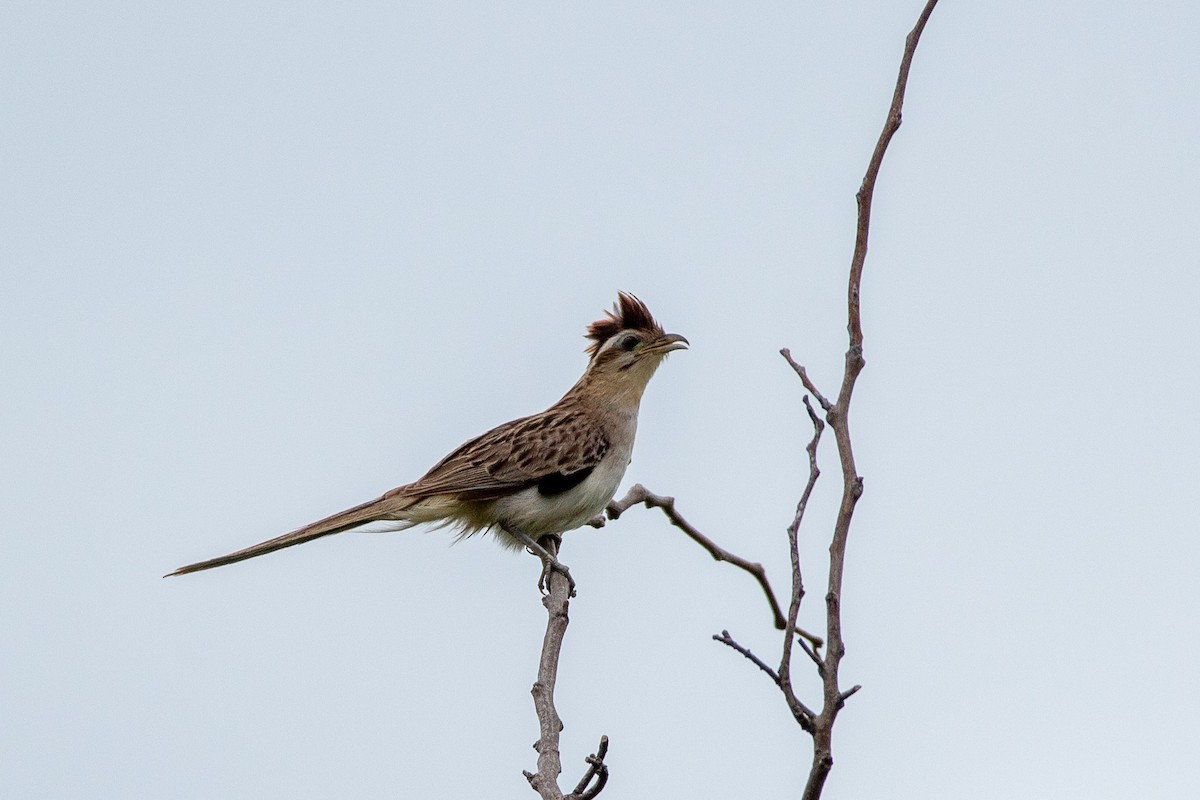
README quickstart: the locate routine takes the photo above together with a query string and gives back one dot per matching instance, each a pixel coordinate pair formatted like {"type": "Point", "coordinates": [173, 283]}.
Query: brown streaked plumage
{"type": "Point", "coordinates": [535, 476]}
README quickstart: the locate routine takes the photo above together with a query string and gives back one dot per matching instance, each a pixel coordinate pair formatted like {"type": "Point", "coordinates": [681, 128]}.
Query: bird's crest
{"type": "Point", "coordinates": [628, 313]}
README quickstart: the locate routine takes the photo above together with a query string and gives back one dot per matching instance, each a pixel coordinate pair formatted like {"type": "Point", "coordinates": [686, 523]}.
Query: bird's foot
{"type": "Point", "coordinates": [550, 563]}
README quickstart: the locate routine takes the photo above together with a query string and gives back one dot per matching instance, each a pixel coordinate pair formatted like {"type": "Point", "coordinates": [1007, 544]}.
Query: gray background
{"type": "Point", "coordinates": [264, 261]}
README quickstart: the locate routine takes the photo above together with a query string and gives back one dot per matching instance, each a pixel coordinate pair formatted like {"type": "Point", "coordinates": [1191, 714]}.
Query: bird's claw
{"type": "Point", "coordinates": [551, 564]}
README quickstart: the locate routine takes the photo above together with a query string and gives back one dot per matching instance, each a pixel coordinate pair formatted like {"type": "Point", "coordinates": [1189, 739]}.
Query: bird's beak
{"type": "Point", "coordinates": [669, 342]}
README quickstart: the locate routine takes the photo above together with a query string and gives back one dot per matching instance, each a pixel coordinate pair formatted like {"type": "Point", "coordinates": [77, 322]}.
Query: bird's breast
{"type": "Point", "coordinates": [561, 504]}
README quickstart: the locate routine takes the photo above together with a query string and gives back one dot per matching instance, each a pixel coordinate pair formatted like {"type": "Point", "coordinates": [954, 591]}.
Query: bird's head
{"type": "Point", "coordinates": [628, 344]}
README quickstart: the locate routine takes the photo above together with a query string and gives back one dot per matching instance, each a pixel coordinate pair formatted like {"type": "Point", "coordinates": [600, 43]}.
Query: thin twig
{"type": "Point", "coordinates": [640, 494]}
{"type": "Point", "coordinates": [726, 639]}
{"type": "Point", "coordinates": [596, 769]}
{"type": "Point", "coordinates": [793, 533]}
{"type": "Point", "coordinates": [816, 659]}
{"type": "Point", "coordinates": [808, 384]}
{"type": "Point", "coordinates": [802, 713]}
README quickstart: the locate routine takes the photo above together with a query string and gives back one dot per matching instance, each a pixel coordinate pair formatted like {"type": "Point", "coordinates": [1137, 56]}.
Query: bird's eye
{"type": "Point", "coordinates": [628, 343]}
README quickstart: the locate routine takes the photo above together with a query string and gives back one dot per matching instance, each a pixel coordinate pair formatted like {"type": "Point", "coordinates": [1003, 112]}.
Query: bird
{"type": "Point", "coordinates": [534, 477]}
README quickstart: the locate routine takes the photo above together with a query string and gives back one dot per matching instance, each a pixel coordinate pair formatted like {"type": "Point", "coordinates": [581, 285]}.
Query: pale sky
{"type": "Point", "coordinates": [264, 261]}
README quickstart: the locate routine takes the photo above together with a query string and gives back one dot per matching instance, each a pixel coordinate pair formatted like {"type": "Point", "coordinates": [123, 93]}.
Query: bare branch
{"type": "Point", "coordinates": [793, 532]}
{"type": "Point", "coordinates": [808, 384]}
{"type": "Point", "coordinates": [545, 780]}
{"type": "Point", "coordinates": [853, 690]}
{"type": "Point", "coordinates": [838, 417]}
{"type": "Point", "coordinates": [640, 494]}
{"type": "Point", "coordinates": [802, 713]}
{"type": "Point", "coordinates": [726, 639]}
{"type": "Point", "coordinates": [867, 190]}
{"type": "Point", "coordinates": [597, 769]}
{"type": "Point", "coordinates": [816, 659]}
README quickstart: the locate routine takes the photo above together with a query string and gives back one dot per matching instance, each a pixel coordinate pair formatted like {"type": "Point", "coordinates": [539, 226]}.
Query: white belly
{"type": "Point", "coordinates": [540, 515]}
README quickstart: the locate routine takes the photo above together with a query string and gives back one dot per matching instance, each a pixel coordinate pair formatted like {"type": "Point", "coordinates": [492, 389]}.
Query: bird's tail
{"type": "Point", "coordinates": [384, 508]}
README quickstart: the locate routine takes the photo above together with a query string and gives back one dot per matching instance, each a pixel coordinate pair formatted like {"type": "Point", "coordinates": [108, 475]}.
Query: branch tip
{"type": "Point", "coordinates": [836, 415]}
{"type": "Point", "coordinates": [727, 640]}
{"type": "Point", "coordinates": [804, 379]}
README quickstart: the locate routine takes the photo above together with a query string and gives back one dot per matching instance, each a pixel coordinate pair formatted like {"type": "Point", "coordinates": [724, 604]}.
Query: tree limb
{"type": "Point", "coordinates": [549, 762]}
{"type": "Point", "coordinates": [838, 417]}
{"type": "Point", "coordinates": [640, 494]}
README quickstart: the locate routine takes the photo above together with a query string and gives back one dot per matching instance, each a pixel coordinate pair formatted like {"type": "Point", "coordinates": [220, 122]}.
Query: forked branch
{"type": "Point", "coordinates": [592, 782]}
{"type": "Point", "coordinates": [838, 416]}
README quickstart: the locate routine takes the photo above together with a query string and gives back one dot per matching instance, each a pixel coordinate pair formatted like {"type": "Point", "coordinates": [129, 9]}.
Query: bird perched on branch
{"type": "Point", "coordinates": [536, 476]}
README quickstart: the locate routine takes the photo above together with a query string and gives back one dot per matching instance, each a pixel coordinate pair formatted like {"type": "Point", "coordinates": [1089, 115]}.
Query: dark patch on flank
{"type": "Point", "coordinates": [557, 483]}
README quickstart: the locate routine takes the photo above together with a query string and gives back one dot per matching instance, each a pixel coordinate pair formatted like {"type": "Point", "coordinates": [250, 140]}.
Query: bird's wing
{"type": "Point", "coordinates": [556, 447]}
{"type": "Point", "coordinates": [514, 456]}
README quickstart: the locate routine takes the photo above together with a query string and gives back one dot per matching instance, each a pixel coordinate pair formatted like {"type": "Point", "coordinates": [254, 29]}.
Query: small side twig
{"type": "Point", "coordinates": [597, 770]}
{"type": "Point", "coordinates": [849, 692]}
{"type": "Point", "coordinates": [802, 713]}
{"type": "Point", "coordinates": [816, 659]}
{"type": "Point", "coordinates": [808, 384]}
{"type": "Point", "coordinates": [728, 640]}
